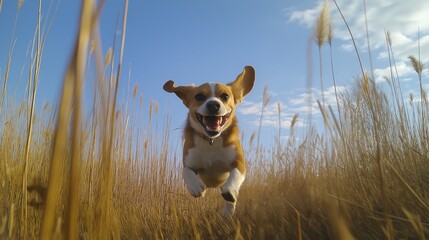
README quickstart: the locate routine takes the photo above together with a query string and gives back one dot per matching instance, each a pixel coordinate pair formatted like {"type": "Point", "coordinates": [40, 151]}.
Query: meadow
{"type": "Point", "coordinates": [66, 172]}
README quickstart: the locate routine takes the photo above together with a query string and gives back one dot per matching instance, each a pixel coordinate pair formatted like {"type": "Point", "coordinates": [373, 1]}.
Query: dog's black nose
{"type": "Point", "coordinates": [213, 106]}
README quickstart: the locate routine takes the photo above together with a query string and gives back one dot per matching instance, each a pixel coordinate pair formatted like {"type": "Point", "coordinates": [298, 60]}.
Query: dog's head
{"type": "Point", "coordinates": [212, 105]}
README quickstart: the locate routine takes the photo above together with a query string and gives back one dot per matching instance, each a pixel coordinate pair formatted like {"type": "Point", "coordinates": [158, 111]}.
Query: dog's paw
{"type": "Point", "coordinates": [197, 188]}
{"type": "Point", "coordinates": [230, 192]}
{"type": "Point", "coordinates": [229, 197]}
{"type": "Point", "coordinates": [195, 185]}
{"type": "Point", "coordinates": [229, 209]}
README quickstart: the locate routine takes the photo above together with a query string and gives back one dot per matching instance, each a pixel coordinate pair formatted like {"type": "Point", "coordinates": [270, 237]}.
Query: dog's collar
{"type": "Point", "coordinates": [208, 139]}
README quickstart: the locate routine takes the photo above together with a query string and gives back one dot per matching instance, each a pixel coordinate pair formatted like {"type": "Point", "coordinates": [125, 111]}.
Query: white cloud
{"type": "Point", "coordinates": [402, 69]}
{"type": "Point", "coordinates": [348, 47]}
{"type": "Point", "coordinates": [406, 22]}
{"type": "Point", "coordinates": [270, 115]}
{"type": "Point", "coordinates": [250, 108]}
{"type": "Point", "coordinates": [274, 123]}
{"type": "Point", "coordinates": [307, 16]}
{"type": "Point", "coordinates": [403, 19]}
{"type": "Point", "coordinates": [303, 104]}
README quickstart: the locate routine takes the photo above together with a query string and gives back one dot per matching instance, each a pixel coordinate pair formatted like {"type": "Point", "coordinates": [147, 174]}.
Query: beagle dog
{"type": "Point", "coordinates": [212, 152]}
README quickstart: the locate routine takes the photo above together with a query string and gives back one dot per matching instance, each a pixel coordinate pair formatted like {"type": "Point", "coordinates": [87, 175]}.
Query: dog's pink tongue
{"type": "Point", "coordinates": [212, 122]}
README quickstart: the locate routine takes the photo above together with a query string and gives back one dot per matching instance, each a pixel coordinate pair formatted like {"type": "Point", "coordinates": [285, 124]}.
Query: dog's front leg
{"type": "Point", "coordinates": [230, 190]}
{"type": "Point", "coordinates": [194, 184]}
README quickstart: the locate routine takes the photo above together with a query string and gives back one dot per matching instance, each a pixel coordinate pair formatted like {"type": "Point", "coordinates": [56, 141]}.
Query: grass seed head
{"type": "Point", "coordinates": [322, 29]}
{"type": "Point", "coordinates": [294, 120]}
{"type": "Point", "coordinates": [135, 90]}
{"type": "Point", "coordinates": [330, 34]}
{"type": "Point", "coordinates": [20, 2]}
{"type": "Point", "coordinates": [417, 65]}
{"type": "Point", "coordinates": [108, 57]}
{"type": "Point", "coordinates": [266, 97]}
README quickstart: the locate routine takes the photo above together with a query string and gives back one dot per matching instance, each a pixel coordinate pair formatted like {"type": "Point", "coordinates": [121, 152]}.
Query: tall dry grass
{"type": "Point", "coordinates": [103, 174]}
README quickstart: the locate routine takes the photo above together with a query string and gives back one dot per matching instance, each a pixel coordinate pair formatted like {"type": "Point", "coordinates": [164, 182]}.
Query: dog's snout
{"type": "Point", "coordinates": [213, 106]}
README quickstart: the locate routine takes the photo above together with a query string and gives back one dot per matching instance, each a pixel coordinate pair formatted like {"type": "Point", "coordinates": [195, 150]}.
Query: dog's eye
{"type": "Point", "coordinates": [224, 96]}
{"type": "Point", "coordinates": [200, 97]}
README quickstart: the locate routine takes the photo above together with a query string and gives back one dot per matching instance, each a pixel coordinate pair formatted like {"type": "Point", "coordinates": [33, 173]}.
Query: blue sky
{"type": "Point", "coordinates": [200, 41]}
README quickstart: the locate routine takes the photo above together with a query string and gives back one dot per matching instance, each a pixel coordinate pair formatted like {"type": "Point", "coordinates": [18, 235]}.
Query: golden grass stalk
{"type": "Point", "coordinates": [395, 84]}
{"type": "Point", "coordinates": [238, 235]}
{"type": "Point", "coordinates": [279, 114]}
{"type": "Point", "coordinates": [324, 114]}
{"type": "Point", "coordinates": [6, 75]}
{"type": "Point", "coordinates": [418, 67]}
{"type": "Point", "coordinates": [11, 220]}
{"type": "Point", "coordinates": [337, 222]}
{"type": "Point", "coordinates": [408, 187]}
{"type": "Point", "coordinates": [71, 86]}
{"type": "Point", "coordinates": [298, 222]}
{"type": "Point", "coordinates": [367, 39]}
{"type": "Point", "coordinates": [351, 36]}
{"type": "Point", "coordinates": [265, 100]}
{"type": "Point", "coordinates": [79, 62]}
{"type": "Point", "coordinates": [330, 36]}
{"type": "Point", "coordinates": [105, 188]}
{"type": "Point", "coordinates": [372, 97]}
{"type": "Point", "coordinates": [322, 33]}
{"type": "Point", "coordinates": [416, 223]}
{"type": "Point", "coordinates": [32, 100]}
{"type": "Point", "coordinates": [57, 158]}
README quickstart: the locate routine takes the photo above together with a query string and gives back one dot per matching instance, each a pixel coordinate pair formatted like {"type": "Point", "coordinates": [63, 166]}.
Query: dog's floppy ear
{"type": "Point", "coordinates": [243, 84]}
{"type": "Point", "coordinates": [183, 92]}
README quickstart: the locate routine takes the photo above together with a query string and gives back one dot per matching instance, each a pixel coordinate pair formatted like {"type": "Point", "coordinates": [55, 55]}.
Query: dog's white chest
{"type": "Point", "coordinates": [212, 162]}
{"type": "Point", "coordinates": [205, 157]}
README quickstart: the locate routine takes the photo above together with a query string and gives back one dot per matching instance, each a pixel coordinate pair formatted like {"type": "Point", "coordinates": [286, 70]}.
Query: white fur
{"type": "Point", "coordinates": [206, 156]}
{"type": "Point", "coordinates": [223, 110]}
{"type": "Point", "coordinates": [204, 111]}
{"type": "Point", "coordinates": [196, 125]}
{"type": "Point", "coordinates": [212, 88]}
{"type": "Point", "coordinates": [213, 159]}
{"type": "Point", "coordinates": [194, 184]}
{"type": "Point", "coordinates": [229, 209]}
{"type": "Point", "coordinates": [233, 183]}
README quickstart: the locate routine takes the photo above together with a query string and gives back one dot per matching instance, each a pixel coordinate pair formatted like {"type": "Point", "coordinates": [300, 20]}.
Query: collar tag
{"type": "Point", "coordinates": [208, 139]}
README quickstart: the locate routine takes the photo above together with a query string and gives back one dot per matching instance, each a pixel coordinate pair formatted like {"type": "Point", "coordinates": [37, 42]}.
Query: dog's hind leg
{"type": "Point", "coordinates": [230, 190]}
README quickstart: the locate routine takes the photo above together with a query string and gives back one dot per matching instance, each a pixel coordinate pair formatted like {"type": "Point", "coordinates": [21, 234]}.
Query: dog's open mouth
{"type": "Point", "coordinates": [212, 124]}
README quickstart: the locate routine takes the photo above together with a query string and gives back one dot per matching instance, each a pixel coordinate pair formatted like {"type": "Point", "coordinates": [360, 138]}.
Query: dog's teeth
{"type": "Point", "coordinates": [212, 122]}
